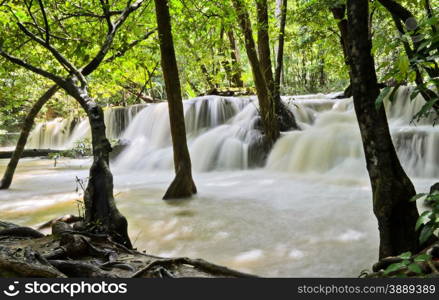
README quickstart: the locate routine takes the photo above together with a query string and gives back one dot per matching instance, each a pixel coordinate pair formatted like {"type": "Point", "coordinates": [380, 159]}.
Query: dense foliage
{"type": "Point", "coordinates": [209, 47]}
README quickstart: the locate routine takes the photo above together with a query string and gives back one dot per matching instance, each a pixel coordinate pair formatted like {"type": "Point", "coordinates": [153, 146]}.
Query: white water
{"type": "Point", "coordinates": [307, 213]}
{"type": "Point", "coordinates": [66, 133]}
{"type": "Point", "coordinates": [222, 136]}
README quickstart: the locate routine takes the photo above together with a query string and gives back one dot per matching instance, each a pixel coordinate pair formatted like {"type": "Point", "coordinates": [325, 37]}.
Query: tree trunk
{"type": "Point", "coordinates": [280, 47]}
{"type": "Point", "coordinates": [227, 65]}
{"type": "Point", "coordinates": [6, 181]}
{"type": "Point", "coordinates": [101, 213]}
{"type": "Point", "coordinates": [339, 13]}
{"type": "Point", "coordinates": [284, 116]}
{"type": "Point", "coordinates": [236, 67]}
{"type": "Point", "coordinates": [266, 103]}
{"type": "Point", "coordinates": [183, 185]}
{"type": "Point", "coordinates": [391, 187]}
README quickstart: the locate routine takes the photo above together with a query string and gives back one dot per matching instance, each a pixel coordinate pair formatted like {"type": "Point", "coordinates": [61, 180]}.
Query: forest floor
{"type": "Point", "coordinates": [25, 252]}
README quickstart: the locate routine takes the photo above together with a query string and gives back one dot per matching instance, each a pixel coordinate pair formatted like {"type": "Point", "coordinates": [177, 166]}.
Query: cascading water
{"type": "Point", "coordinates": [331, 140]}
{"type": "Point", "coordinates": [65, 133]}
{"type": "Point", "coordinates": [222, 135]}
{"type": "Point", "coordinates": [219, 131]}
{"type": "Point", "coordinates": [222, 130]}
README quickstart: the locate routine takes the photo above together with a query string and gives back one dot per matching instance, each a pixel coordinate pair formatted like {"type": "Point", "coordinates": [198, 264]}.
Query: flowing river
{"type": "Point", "coordinates": [306, 213]}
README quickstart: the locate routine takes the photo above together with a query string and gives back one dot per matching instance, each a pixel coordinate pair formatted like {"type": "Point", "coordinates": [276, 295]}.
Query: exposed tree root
{"type": "Point", "coordinates": [21, 232]}
{"type": "Point", "coordinates": [71, 253]}
{"type": "Point", "coordinates": [200, 264]}
{"type": "Point", "coordinates": [25, 263]}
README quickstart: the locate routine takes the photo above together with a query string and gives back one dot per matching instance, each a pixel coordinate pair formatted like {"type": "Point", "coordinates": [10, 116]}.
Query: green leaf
{"type": "Point", "coordinates": [417, 197]}
{"type": "Point", "coordinates": [414, 94]}
{"type": "Point", "coordinates": [394, 267]}
{"type": "Point", "coordinates": [426, 233]}
{"type": "Point", "coordinates": [405, 255]}
{"type": "Point", "coordinates": [381, 97]}
{"type": "Point", "coordinates": [404, 64]}
{"type": "Point", "coordinates": [423, 218]}
{"type": "Point", "coordinates": [415, 268]}
{"type": "Point", "coordinates": [433, 197]}
{"type": "Point", "coordinates": [422, 258]}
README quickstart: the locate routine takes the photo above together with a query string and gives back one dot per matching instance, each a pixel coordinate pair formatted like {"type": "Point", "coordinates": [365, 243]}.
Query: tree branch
{"type": "Point", "coordinates": [58, 56]}
{"type": "Point", "coordinates": [32, 68]}
{"type": "Point", "coordinates": [46, 23]}
{"type": "Point", "coordinates": [128, 47]}
{"type": "Point", "coordinates": [106, 10]}
{"type": "Point", "coordinates": [96, 61]}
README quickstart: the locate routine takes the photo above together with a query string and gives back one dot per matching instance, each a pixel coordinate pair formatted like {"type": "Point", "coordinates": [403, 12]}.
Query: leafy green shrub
{"type": "Point", "coordinates": [428, 221]}
{"type": "Point", "coordinates": [409, 263]}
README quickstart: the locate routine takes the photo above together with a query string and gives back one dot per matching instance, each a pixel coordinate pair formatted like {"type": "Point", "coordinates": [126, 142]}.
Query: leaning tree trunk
{"type": "Point", "coordinates": [101, 213]}
{"type": "Point", "coordinates": [266, 103]}
{"type": "Point", "coordinates": [285, 117]}
{"type": "Point", "coordinates": [391, 187]}
{"type": "Point", "coordinates": [6, 181]}
{"type": "Point", "coordinates": [183, 185]}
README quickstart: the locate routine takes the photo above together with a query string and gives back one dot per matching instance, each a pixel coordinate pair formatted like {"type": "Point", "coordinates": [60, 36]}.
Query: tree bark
{"type": "Point", "coordinates": [6, 181]}
{"type": "Point", "coordinates": [101, 213]}
{"type": "Point", "coordinates": [183, 185]}
{"type": "Point", "coordinates": [280, 47]}
{"type": "Point", "coordinates": [285, 117]}
{"type": "Point", "coordinates": [236, 63]}
{"type": "Point", "coordinates": [30, 153]}
{"type": "Point", "coordinates": [391, 187]}
{"type": "Point", "coordinates": [266, 103]}
{"type": "Point", "coordinates": [339, 13]}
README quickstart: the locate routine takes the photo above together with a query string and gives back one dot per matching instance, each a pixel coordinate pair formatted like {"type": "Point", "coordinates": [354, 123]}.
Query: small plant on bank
{"type": "Point", "coordinates": [55, 157]}
{"type": "Point", "coordinates": [408, 264]}
{"type": "Point", "coordinates": [428, 221]}
{"type": "Point", "coordinates": [83, 147]}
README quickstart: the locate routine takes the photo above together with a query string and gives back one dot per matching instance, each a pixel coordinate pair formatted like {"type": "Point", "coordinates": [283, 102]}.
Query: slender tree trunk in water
{"type": "Point", "coordinates": [266, 103]}
{"type": "Point", "coordinates": [227, 65]}
{"type": "Point", "coordinates": [391, 187]}
{"type": "Point", "coordinates": [101, 213]}
{"type": "Point", "coordinates": [285, 117]}
{"type": "Point", "coordinates": [6, 181]}
{"type": "Point", "coordinates": [183, 185]}
{"type": "Point", "coordinates": [280, 47]}
{"type": "Point", "coordinates": [236, 63]}
{"type": "Point", "coordinates": [339, 13]}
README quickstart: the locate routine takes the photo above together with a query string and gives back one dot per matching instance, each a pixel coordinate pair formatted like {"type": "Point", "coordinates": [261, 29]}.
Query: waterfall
{"type": "Point", "coordinates": [219, 129]}
{"type": "Point", "coordinates": [222, 135]}
{"type": "Point", "coordinates": [65, 133]}
{"type": "Point", "coordinates": [331, 140]}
